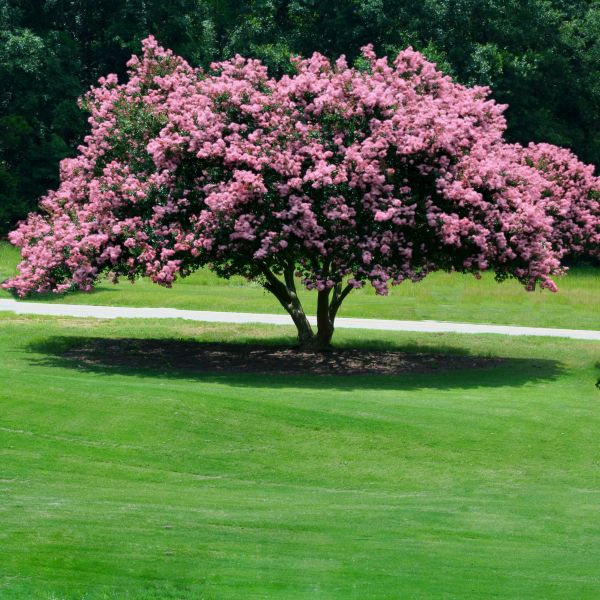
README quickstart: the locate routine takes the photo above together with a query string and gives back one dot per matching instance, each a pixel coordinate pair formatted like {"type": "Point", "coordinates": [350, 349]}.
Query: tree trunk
{"type": "Point", "coordinates": [324, 322]}
{"type": "Point", "coordinates": [327, 307]}
{"type": "Point", "coordinates": [306, 336]}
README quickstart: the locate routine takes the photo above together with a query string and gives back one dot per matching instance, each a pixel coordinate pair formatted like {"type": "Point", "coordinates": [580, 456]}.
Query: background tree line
{"type": "Point", "coordinates": [540, 56]}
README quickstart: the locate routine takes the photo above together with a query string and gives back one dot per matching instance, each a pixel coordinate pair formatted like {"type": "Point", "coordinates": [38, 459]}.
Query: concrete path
{"type": "Point", "coordinates": [114, 312]}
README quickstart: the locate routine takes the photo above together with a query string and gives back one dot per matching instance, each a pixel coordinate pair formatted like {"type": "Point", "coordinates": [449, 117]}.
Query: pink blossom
{"type": "Point", "coordinates": [350, 176]}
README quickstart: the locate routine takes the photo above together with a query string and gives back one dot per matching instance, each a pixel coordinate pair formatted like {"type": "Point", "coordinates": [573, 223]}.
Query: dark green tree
{"type": "Point", "coordinates": [542, 57]}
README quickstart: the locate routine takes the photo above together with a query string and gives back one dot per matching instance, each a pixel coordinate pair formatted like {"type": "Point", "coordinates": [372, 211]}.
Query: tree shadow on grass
{"type": "Point", "coordinates": [275, 364]}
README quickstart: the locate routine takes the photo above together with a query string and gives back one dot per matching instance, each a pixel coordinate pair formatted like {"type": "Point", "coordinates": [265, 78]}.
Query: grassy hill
{"type": "Point", "coordinates": [126, 473]}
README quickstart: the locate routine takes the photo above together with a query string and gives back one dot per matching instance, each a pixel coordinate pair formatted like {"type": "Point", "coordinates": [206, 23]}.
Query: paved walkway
{"type": "Point", "coordinates": [114, 312]}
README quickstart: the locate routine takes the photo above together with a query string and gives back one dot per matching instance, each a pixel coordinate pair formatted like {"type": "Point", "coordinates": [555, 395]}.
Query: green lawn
{"type": "Point", "coordinates": [148, 482]}
{"type": "Point", "coordinates": [442, 296]}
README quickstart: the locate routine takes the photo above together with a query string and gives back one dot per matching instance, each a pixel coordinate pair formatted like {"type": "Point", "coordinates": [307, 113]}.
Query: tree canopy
{"type": "Point", "coordinates": [333, 174]}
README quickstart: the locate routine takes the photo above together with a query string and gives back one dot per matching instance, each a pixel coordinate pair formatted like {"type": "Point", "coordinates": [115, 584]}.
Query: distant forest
{"type": "Point", "coordinates": [542, 57]}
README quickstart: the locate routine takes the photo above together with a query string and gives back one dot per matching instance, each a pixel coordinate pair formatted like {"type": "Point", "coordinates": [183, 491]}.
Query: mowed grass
{"type": "Point", "coordinates": [441, 297]}
{"type": "Point", "coordinates": [144, 482]}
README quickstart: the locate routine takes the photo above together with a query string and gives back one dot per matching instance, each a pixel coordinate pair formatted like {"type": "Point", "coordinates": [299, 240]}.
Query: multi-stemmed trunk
{"type": "Point", "coordinates": [328, 304]}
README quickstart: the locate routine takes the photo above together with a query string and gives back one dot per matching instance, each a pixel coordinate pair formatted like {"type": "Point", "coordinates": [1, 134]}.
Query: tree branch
{"type": "Point", "coordinates": [338, 298]}
{"type": "Point", "coordinates": [288, 274]}
{"type": "Point", "coordinates": [286, 294]}
{"type": "Point", "coordinates": [277, 288]}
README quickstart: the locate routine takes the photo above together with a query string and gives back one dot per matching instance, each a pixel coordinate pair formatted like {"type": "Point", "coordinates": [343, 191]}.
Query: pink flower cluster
{"type": "Point", "coordinates": [375, 175]}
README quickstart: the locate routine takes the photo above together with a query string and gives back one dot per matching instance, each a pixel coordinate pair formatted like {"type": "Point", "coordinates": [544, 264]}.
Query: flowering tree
{"type": "Point", "coordinates": [335, 176]}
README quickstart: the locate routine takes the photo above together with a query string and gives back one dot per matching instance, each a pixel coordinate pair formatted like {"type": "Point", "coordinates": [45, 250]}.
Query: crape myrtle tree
{"type": "Point", "coordinates": [333, 176]}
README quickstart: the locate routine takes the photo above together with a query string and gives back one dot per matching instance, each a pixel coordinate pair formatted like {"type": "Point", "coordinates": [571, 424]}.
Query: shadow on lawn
{"type": "Point", "coordinates": [275, 364]}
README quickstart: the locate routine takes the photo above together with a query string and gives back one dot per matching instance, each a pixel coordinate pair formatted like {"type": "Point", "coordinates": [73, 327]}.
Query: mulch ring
{"type": "Point", "coordinates": [183, 355]}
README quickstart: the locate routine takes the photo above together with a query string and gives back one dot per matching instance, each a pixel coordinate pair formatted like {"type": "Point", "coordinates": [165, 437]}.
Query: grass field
{"type": "Point", "coordinates": [441, 296]}
{"type": "Point", "coordinates": [144, 481]}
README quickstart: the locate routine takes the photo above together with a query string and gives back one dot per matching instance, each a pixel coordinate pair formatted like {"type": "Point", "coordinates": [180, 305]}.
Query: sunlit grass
{"type": "Point", "coordinates": [147, 482]}
{"type": "Point", "coordinates": [441, 296]}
